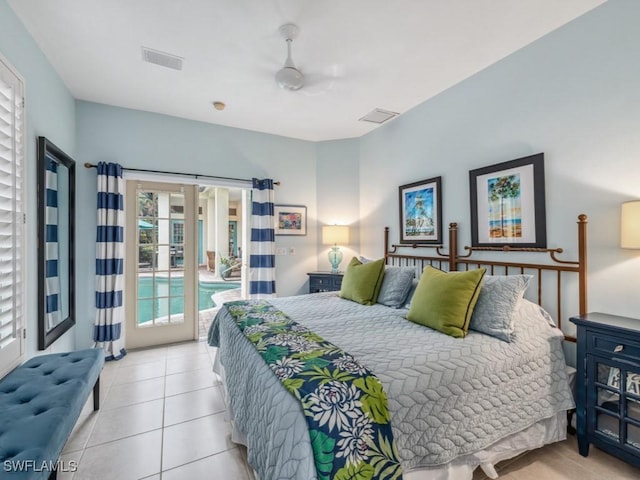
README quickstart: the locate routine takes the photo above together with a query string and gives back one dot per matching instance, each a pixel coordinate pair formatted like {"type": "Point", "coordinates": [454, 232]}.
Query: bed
{"type": "Point", "coordinates": [455, 403]}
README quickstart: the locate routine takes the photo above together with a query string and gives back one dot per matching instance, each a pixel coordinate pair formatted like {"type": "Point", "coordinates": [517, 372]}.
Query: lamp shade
{"type": "Point", "coordinates": [630, 224]}
{"type": "Point", "coordinates": [335, 235]}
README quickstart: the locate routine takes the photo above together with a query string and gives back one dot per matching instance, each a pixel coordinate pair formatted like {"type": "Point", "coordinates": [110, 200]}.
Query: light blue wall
{"type": "Point", "coordinates": [50, 112]}
{"type": "Point", "coordinates": [147, 140]}
{"type": "Point", "coordinates": [337, 176]}
{"type": "Point", "coordinates": [574, 95]}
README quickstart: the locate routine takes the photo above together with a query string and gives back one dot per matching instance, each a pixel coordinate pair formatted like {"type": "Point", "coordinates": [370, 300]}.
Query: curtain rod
{"type": "Point", "coordinates": [196, 175]}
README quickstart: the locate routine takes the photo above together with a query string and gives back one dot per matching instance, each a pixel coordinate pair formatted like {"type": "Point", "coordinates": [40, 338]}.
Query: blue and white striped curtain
{"type": "Point", "coordinates": [262, 271]}
{"type": "Point", "coordinates": [108, 331]}
{"type": "Point", "coordinates": [53, 313]}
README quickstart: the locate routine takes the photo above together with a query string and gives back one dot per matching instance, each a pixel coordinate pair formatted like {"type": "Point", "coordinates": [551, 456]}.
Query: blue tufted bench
{"type": "Point", "coordinates": [40, 402]}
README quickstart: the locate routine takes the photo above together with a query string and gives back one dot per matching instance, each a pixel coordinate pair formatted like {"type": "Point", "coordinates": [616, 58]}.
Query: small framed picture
{"type": "Point", "coordinates": [291, 219]}
{"type": "Point", "coordinates": [421, 211]}
{"type": "Point", "coordinates": [507, 204]}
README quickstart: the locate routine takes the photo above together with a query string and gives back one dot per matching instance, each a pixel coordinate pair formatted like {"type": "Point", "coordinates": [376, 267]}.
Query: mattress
{"type": "Point", "coordinates": [448, 397]}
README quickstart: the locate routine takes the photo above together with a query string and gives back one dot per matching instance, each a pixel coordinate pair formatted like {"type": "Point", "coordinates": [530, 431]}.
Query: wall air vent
{"type": "Point", "coordinates": [378, 116]}
{"type": "Point", "coordinates": [161, 58]}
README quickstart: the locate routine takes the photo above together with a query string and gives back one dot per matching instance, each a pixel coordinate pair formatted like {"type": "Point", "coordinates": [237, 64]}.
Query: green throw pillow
{"type": "Point", "coordinates": [444, 301]}
{"type": "Point", "coordinates": [362, 281]}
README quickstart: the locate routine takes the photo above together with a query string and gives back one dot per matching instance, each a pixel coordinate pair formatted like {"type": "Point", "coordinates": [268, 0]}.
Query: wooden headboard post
{"type": "Point", "coordinates": [453, 246]}
{"type": "Point", "coordinates": [582, 262]}
{"type": "Point", "coordinates": [386, 245]}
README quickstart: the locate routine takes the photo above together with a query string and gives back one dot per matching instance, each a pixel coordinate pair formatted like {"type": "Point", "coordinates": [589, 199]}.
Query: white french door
{"type": "Point", "coordinates": [161, 273]}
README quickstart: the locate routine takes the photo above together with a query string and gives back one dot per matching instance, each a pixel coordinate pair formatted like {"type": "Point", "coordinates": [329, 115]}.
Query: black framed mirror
{"type": "Point", "coordinates": [56, 242]}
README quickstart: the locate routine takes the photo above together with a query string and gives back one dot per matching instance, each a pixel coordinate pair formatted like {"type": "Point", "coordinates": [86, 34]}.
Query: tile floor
{"type": "Point", "coordinates": [162, 417]}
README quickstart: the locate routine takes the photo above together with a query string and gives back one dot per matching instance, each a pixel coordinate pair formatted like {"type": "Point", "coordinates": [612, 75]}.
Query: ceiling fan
{"type": "Point", "coordinates": [289, 77]}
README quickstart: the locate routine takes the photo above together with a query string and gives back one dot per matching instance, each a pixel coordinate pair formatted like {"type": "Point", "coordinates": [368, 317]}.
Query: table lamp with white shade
{"type": "Point", "coordinates": [630, 225]}
{"type": "Point", "coordinates": [335, 235]}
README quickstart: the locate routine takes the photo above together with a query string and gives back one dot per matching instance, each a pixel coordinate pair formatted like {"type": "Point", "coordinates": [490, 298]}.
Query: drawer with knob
{"type": "Point", "coordinates": [607, 344]}
{"type": "Point", "coordinates": [324, 282]}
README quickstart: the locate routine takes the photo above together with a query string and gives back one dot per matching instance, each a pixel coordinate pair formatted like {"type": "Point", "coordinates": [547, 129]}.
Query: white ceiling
{"type": "Point", "coordinates": [357, 55]}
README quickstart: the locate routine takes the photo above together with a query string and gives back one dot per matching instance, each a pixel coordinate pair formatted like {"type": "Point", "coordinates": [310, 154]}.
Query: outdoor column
{"type": "Point", "coordinates": [211, 222]}
{"type": "Point", "coordinates": [245, 237]}
{"type": "Point", "coordinates": [221, 227]}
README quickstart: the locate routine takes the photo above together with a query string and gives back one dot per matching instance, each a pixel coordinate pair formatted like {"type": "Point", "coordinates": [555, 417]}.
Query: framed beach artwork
{"type": "Point", "coordinates": [290, 219]}
{"type": "Point", "coordinates": [507, 204]}
{"type": "Point", "coordinates": [421, 211]}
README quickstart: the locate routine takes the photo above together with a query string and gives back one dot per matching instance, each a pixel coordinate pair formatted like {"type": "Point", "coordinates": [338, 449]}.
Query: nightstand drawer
{"type": "Point", "coordinates": [607, 345]}
{"type": "Point", "coordinates": [324, 282]}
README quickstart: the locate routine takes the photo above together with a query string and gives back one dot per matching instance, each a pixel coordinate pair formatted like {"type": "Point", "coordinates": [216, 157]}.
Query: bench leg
{"type": "Point", "coordinates": [96, 395]}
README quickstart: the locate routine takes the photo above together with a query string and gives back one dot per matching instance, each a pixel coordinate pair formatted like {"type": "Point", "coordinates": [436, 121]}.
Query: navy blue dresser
{"type": "Point", "coordinates": [608, 385]}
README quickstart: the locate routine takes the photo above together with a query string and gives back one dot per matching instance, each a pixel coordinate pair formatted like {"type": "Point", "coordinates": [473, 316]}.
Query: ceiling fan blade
{"type": "Point", "coordinates": [319, 83]}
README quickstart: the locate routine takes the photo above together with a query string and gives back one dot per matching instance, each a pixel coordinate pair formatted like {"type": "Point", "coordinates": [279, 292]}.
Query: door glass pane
{"type": "Point", "coordinates": [161, 287]}
{"type": "Point", "coordinates": [633, 436]}
{"type": "Point", "coordinates": [145, 287]}
{"type": "Point", "coordinates": [163, 258]}
{"type": "Point", "coordinates": [145, 312]}
{"type": "Point", "coordinates": [633, 383]}
{"type": "Point", "coordinates": [633, 409]}
{"type": "Point", "coordinates": [147, 204]}
{"type": "Point", "coordinates": [147, 231]}
{"type": "Point", "coordinates": [146, 257]}
{"type": "Point", "coordinates": [608, 425]}
{"type": "Point", "coordinates": [162, 310]}
{"type": "Point", "coordinates": [608, 375]}
{"type": "Point", "coordinates": [176, 286]}
{"type": "Point", "coordinates": [177, 309]}
{"type": "Point", "coordinates": [609, 400]}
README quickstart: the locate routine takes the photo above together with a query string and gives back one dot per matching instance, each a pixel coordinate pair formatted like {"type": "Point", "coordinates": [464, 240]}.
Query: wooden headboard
{"type": "Point", "coordinates": [552, 271]}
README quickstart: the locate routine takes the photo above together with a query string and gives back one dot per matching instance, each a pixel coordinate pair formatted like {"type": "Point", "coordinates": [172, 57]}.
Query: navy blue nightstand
{"type": "Point", "coordinates": [608, 385]}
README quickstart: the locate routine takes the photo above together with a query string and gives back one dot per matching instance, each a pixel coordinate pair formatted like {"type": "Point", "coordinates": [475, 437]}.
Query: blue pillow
{"type": "Point", "coordinates": [396, 284]}
{"type": "Point", "coordinates": [496, 305]}
{"type": "Point", "coordinates": [412, 290]}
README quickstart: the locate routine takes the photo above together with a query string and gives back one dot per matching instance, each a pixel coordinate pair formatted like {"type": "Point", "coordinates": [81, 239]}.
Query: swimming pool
{"type": "Point", "coordinates": [168, 295]}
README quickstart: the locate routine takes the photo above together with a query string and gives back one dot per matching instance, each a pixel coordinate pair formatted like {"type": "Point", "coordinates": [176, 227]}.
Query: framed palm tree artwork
{"type": "Point", "coordinates": [507, 204]}
{"type": "Point", "coordinates": [421, 212]}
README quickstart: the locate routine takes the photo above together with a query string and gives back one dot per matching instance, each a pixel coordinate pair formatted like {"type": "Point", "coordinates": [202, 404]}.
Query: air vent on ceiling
{"type": "Point", "coordinates": [378, 116]}
{"type": "Point", "coordinates": [161, 58]}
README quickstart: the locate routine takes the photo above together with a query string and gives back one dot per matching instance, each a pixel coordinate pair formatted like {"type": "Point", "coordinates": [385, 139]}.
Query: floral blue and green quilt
{"type": "Point", "coordinates": [344, 404]}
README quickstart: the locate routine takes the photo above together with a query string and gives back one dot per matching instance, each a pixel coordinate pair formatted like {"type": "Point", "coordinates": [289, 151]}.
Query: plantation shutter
{"type": "Point", "coordinates": [11, 217]}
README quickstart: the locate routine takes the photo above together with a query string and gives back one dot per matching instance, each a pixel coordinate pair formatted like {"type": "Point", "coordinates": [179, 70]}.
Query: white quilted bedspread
{"type": "Point", "coordinates": [447, 396]}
